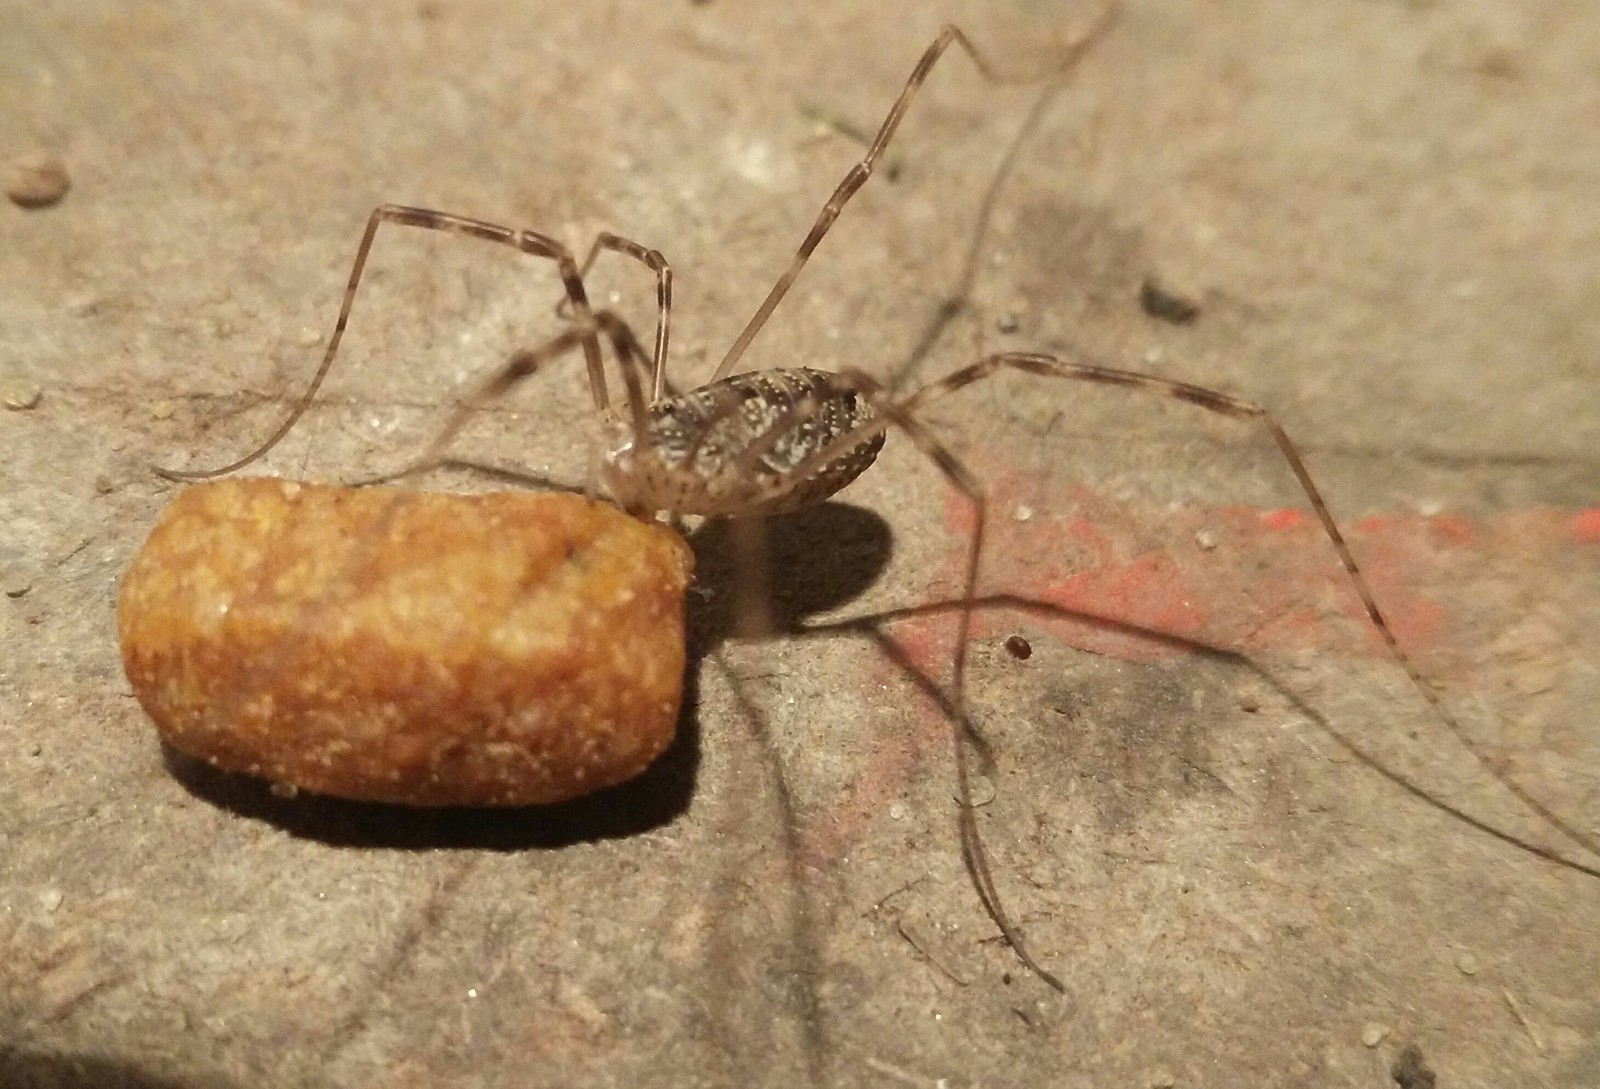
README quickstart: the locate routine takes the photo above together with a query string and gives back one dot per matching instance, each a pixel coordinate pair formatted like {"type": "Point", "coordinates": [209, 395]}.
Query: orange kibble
{"type": "Point", "coordinates": [411, 647]}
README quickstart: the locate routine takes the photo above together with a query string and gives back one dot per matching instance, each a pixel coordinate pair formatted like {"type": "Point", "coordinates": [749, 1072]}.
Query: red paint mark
{"type": "Point", "coordinates": [1586, 526]}
{"type": "Point", "coordinates": [1147, 592]}
{"type": "Point", "coordinates": [893, 763]}
{"type": "Point", "coordinates": [1114, 577]}
{"type": "Point", "coordinates": [1137, 582]}
{"type": "Point", "coordinates": [1452, 529]}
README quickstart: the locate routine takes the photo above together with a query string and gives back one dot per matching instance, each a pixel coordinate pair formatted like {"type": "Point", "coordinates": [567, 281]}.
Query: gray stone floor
{"type": "Point", "coordinates": [1388, 214]}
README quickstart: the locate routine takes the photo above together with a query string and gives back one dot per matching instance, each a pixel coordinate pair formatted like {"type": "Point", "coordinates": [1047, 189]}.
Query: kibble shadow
{"type": "Point", "coordinates": [650, 801]}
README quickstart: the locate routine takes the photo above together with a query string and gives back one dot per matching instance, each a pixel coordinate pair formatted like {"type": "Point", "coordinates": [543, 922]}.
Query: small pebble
{"type": "Point", "coordinates": [1467, 963]}
{"type": "Point", "coordinates": [163, 410]}
{"type": "Point", "coordinates": [37, 181]}
{"type": "Point", "coordinates": [309, 337]}
{"type": "Point", "coordinates": [576, 1002]}
{"type": "Point", "coordinates": [18, 393]}
{"type": "Point", "coordinates": [1022, 512]}
{"type": "Point", "coordinates": [1019, 648]}
{"type": "Point", "coordinates": [1249, 702]}
{"type": "Point", "coordinates": [15, 582]}
{"type": "Point", "coordinates": [897, 811]}
{"type": "Point", "coordinates": [1374, 1033]}
{"type": "Point", "coordinates": [104, 484]}
{"type": "Point", "coordinates": [983, 792]}
{"type": "Point", "coordinates": [50, 899]}
{"type": "Point", "coordinates": [84, 304]}
{"type": "Point", "coordinates": [1205, 539]}
{"type": "Point", "coordinates": [1008, 323]}
{"type": "Point", "coordinates": [1162, 1078]}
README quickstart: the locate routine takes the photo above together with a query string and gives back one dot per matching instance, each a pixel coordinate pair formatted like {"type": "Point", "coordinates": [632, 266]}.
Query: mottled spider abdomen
{"type": "Point", "coordinates": [734, 447]}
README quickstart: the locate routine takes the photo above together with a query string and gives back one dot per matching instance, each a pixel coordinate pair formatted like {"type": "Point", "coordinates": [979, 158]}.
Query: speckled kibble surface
{"type": "Point", "coordinates": [426, 649]}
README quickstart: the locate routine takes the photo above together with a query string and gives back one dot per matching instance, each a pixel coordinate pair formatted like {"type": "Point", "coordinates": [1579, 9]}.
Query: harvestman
{"type": "Point", "coordinates": [768, 442]}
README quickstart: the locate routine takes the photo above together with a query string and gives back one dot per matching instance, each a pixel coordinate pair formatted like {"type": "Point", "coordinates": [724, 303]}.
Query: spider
{"type": "Point", "coordinates": [760, 443]}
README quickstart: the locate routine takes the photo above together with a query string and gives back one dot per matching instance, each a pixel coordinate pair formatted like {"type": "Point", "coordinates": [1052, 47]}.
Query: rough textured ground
{"type": "Point", "coordinates": [1387, 212]}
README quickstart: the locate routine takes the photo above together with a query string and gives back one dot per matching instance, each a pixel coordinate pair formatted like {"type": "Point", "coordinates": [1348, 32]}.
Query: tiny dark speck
{"type": "Point", "coordinates": [1158, 302]}
{"type": "Point", "coordinates": [1018, 647]}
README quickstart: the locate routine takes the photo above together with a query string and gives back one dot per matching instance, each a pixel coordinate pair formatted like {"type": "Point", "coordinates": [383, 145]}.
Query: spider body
{"type": "Point", "coordinates": [733, 447]}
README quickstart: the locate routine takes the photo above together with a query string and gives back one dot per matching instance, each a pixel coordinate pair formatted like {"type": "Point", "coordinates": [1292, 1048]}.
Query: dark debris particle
{"type": "Point", "coordinates": [1158, 302]}
{"type": "Point", "coordinates": [1409, 1071]}
{"type": "Point", "coordinates": [1018, 647]}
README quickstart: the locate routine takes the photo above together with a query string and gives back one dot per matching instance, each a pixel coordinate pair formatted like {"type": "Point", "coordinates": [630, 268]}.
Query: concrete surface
{"type": "Point", "coordinates": [1388, 214]}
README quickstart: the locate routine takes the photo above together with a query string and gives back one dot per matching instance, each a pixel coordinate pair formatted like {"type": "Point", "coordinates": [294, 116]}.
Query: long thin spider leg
{"type": "Point", "coordinates": [526, 363]}
{"type": "Point", "coordinates": [858, 174]}
{"type": "Point", "coordinates": [973, 852]}
{"type": "Point", "coordinates": [655, 262]}
{"type": "Point", "coordinates": [1221, 403]}
{"type": "Point", "coordinates": [959, 296]}
{"type": "Point", "coordinates": [530, 242]}
{"type": "Point", "coordinates": [630, 355]}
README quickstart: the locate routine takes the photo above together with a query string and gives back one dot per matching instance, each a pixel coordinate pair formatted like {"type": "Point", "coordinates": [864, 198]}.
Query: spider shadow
{"type": "Point", "coordinates": [873, 626]}
{"type": "Point", "coordinates": [815, 560]}
{"type": "Point", "coordinates": [812, 561]}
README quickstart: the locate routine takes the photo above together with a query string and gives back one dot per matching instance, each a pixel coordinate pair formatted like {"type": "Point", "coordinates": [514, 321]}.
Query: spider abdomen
{"type": "Point", "coordinates": [744, 446]}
